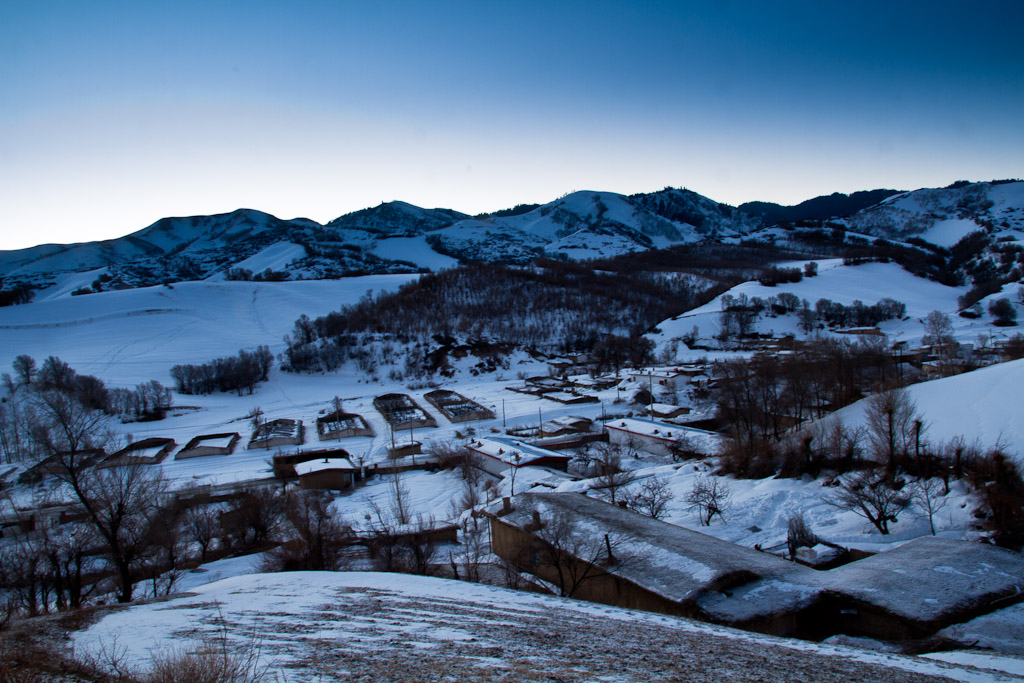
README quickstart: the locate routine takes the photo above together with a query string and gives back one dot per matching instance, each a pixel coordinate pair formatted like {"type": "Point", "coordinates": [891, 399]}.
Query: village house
{"type": "Point", "coordinates": [334, 474]}
{"type": "Point", "coordinates": [633, 561]}
{"type": "Point", "coordinates": [55, 464]}
{"type": "Point", "coordinates": [668, 379]}
{"type": "Point", "coordinates": [665, 411]}
{"type": "Point", "coordinates": [342, 425]}
{"type": "Point", "coordinates": [662, 438]}
{"type": "Point", "coordinates": [402, 412]}
{"type": "Point", "coordinates": [277, 433]}
{"type": "Point", "coordinates": [209, 444]}
{"type": "Point", "coordinates": [499, 454]}
{"type": "Point", "coordinates": [456, 407]}
{"type": "Point", "coordinates": [566, 424]}
{"type": "Point", "coordinates": [145, 452]}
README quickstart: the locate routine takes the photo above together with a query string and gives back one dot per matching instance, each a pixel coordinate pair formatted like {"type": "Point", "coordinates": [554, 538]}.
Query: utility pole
{"type": "Point", "coordinates": [650, 384]}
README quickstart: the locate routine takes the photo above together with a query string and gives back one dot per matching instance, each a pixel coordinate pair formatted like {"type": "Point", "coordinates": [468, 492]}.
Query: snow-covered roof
{"type": "Point", "coordinates": [506, 449]}
{"type": "Point", "coordinates": [668, 432]}
{"type": "Point", "coordinates": [931, 577]}
{"type": "Point", "coordinates": [929, 581]}
{"type": "Point", "coordinates": [323, 465]}
{"type": "Point", "coordinates": [676, 563]}
{"type": "Point", "coordinates": [650, 428]}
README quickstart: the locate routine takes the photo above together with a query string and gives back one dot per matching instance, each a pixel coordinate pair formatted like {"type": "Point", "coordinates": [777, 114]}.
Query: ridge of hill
{"type": "Point", "coordinates": [397, 237]}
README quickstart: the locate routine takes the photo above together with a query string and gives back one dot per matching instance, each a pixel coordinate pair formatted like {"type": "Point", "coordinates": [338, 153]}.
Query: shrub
{"type": "Point", "coordinates": [775, 275]}
{"type": "Point", "coordinates": [1003, 311]}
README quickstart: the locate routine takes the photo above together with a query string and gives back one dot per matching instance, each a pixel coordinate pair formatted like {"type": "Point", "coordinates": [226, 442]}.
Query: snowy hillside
{"type": "Point", "coordinates": [943, 216]}
{"type": "Point", "coordinates": [313, 626]}
{"type": "Point", "coordinates": [168, 236]}
{"type": "Point", "coordinates": [596, 224]}
{"type": "Point", "coordinates": [396, 219]}
{"type": "Point", "coordinates": [133, 335]}
{"type": "Point", "coordinates": [983, 406]}
{"type": "Point", "coordinates": [580, 225]}
{"type": "Point", "coordinates": [868, 283]}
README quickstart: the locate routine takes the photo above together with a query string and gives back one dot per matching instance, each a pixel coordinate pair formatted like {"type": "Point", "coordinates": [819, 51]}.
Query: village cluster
{"type": "Point", "coordinates": [550, 506]}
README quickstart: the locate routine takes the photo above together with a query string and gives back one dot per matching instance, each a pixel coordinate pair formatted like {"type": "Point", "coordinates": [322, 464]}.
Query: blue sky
{"type": "Point", "coordinates": [114, 114]}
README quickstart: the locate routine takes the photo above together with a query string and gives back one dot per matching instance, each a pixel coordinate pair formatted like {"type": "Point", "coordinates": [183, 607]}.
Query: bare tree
{"type": "Point", "coordinates": [254, 518]}
{"type": "Point", "coordinates": [652, 499]}
{"type": "Point", "coordinates": [121, 503]}
{"type": "Point", "coordinates": [611, 478]}
{"type": "Point", "coordinates": [315, 538]}
{"type": "Point", "coordinates": [938, 330]}
{"type": "Point", "coordinates": [874, 499]}
{"type": "Point", "coordinates": [399, 499]}
{"type": "Point", "coordinates": [570, 556]}
{"type": "Point", "coordinates": [201, 525]}
{"type": "Point", "coordinates": [929, 496]}
{"type": "Point", "coordinates": [799, 534]}
{"type": "Point", "coordinates": [893, 425]}
{"type": "Point", "coordinates": [710, 496]}
{"type": "Point", "coordinates": [401, 547]}
{"type": "Point", "coordinates": [24, 369]}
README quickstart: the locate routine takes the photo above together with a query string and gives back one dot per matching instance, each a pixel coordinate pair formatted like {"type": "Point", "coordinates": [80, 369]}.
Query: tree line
{"type": "Point", "coordinates": [557, 308]}
{"type": "Point", "coordinates": [230, 373]}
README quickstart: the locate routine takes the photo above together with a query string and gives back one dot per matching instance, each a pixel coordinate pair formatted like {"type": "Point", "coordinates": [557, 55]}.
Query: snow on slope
{"type": "Point", "coordinates": [869, 283]}
{"type": "Point", "coordinates": [946, 233]}
{"type": "Point", "coordinates": [313, 626]}
{"type": "Point", "coordinates": [414, 250]}
{"type": "Point", "coordinates": [129, 336]}
{"type": "Point", "coordinates": [276, 257]}
{"type": "Point", "coordinates": [924, 210]}
{"type": "Point", "coordinates": [983, 405]}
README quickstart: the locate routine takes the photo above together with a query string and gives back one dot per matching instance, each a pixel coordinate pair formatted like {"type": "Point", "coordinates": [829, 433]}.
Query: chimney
{"type": "Point", "coordinates": [506, 505]}
{"type": "Point", "coordinates": [535, 522]}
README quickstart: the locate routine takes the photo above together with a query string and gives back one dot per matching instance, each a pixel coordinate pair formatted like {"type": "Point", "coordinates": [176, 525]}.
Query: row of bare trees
{"type": "Point", "coordinates": [230, 373]}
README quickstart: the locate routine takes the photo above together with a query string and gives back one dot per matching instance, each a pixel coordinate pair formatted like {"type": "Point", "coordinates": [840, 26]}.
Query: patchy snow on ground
{"type": "Point", "coordinates": [312, 626]}
{"type": "Point", "coordinates": [981, 660]}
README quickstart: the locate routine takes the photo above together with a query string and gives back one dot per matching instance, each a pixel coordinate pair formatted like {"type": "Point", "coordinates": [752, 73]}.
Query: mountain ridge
{"type": "Point", "coordinates": [399, 237]}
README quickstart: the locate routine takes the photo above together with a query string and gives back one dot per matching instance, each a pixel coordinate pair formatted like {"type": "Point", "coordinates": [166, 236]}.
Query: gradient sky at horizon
{"type": "Point", "coordinates": [115, 114]}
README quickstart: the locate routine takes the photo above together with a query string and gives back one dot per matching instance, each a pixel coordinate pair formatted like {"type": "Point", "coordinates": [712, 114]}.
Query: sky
{"type": "Point", "coordinates": [115, 114]}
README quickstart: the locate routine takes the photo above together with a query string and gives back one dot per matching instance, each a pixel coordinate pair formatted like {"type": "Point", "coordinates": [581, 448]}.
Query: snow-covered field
{"type": "Point", "coordinates": [134, 335]}
{"type": "Point", "coordinates": [313, 626]}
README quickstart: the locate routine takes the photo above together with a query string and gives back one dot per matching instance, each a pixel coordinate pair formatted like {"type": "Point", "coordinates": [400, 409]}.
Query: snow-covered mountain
{"type": "Point", "coordinates": [396, 237]}
{"type": "Point", "coordinates": [943, 216]}
{"type": "Point", "coordinates": [392, 237]}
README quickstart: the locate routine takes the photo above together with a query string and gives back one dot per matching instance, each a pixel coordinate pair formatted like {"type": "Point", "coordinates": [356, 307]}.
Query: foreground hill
{"type": "Point", "coordinates": [393, 627]}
